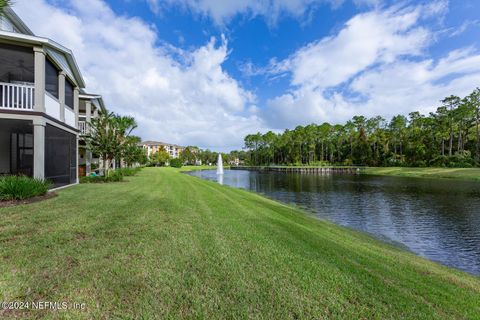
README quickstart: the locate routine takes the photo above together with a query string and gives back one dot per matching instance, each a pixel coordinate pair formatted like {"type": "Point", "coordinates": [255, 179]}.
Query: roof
{"type": "Point", "coordinates": [17, 22]}
{"type": "Point", "coordinates": [92, 96]}
{"type": "Point", "coordinates": [62, 56]}
{"type": "Point", "coordinates": [159, 143]}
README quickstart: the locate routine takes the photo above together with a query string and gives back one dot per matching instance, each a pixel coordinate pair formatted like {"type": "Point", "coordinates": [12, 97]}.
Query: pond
{"type": "Point", "coordinates": [434, 218]}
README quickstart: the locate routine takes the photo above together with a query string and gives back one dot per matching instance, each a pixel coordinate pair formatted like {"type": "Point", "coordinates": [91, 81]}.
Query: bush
{"type": "Point", "coordinates": [176, 163]}
{"type": "Point", "coordinates": [21, 187]}
{"type": "Point", "coordinates": [113, 176]}
{"type": "Point", "coordinates": [128, 172]}
{"type": "Point", "coordinates": [92, 179]}
{"type": "Point", "coordinates": [459, 160]}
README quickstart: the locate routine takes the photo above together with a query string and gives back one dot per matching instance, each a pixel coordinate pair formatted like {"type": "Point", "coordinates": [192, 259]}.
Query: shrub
{"type": "Point", "coordinates": [92, 179]}
{"type": "Point", "coordinates": [113, 176]}
{"type": "Point", "coordinates": [176, 163]}
{"type": "Point", "coordinates": [128, 172]}
{"type": "Point", "coordinates": [459, 160]}
{"type": "Point", "coordinates": [21, 187]}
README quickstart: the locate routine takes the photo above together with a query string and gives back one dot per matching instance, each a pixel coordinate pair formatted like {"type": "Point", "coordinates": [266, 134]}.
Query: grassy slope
{"type": "Point", "coordinates": [169, 245]}
{"type": "Point", "coordinates": [449, 173]}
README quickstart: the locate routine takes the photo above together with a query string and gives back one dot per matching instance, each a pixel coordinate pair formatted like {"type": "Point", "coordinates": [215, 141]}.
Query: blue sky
{"type": "Point", "coordinates": [207, 72]}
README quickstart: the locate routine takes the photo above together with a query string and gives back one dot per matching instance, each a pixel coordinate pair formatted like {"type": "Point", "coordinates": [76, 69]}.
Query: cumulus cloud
{"type": "Point", "coordinates": [376, 64]}
{"type": "Point", "coordinates": [185, 97]}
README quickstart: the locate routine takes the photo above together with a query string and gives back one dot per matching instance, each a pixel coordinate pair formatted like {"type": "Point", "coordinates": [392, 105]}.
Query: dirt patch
{"type": "Point", "coordinates": [13, 203]}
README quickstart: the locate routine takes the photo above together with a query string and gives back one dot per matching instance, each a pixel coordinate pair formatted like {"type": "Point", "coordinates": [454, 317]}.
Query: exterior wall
{"type": "Point", "coordinates": [173, 150]}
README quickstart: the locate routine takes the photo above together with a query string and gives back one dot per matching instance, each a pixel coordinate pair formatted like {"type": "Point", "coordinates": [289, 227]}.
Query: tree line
{"type": "Point", "coordinates": [449, 137]}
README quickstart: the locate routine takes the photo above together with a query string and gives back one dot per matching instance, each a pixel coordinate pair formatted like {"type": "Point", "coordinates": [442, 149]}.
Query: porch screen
{"type": "Point", "coordinates": [60, 156]}
{"type": "Point", "coordinates": [69, 94]}
{"type": "Point", "coordinates": [21, 153]}
{"type": "Point", "coordinates": [16, 64]}
{"type": "Point", "coordinates": [51, 78]}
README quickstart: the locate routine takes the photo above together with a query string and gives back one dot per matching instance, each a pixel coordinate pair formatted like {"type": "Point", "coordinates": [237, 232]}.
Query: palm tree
{"type": "Point", "coordinates": [122, 128]}
{"type": "Point", "coordinates": [110, 137]}
{"type": "Point", "coordinates": [3, 5]}
{"type": "Point", "coordinates": [100, 138]}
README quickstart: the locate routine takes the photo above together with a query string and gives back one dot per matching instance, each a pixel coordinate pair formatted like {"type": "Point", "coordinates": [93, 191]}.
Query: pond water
{"type": "Point", "coordinates": [434, 218]}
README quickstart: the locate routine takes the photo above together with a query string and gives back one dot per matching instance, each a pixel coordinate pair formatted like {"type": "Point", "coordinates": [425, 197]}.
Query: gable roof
{"type": "Point", "coordinates": [17, 22]}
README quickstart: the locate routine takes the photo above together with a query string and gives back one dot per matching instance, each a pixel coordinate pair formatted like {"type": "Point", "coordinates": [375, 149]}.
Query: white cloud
{"type": "Point", "coordinates": [222, 11]}
{"type": "Point", "coordinates": [369, 38]}
{"type": "Point", "coordinates": [189, 99]}
{"type": "Point", "coordinates": [376, 64]}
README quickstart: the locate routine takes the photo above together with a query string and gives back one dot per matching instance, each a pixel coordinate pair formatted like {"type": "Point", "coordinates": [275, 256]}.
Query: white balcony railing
{"type": "Point", "coordinates": [16, 96]}
{"type": "Point", "coordinates": [82, 126]}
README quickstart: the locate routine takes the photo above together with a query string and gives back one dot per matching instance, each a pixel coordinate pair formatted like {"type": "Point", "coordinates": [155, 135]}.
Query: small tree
{"type": "Point", "coordinates": [161, 157]}
{"type": "Point", "coordinates": [100, 138]}
{"type": "Point", "coordinates": [189, 155]}
{"type": "Point", "coordinates": [132, 153]}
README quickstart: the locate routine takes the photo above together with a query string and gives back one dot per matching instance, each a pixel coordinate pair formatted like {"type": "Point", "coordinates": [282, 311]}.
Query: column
{"type": "Point", "coordinates": [61, 94]}
{"type": "Point", "coordinates": [76, 162]}
{"type": "Point", "coordinates": [88, 153]}
{"type": "Point", "coordinates": [39, 77]}
{"type": "Point", "coordinates": [39, 148]}
{"type": "Point", "coordinates": [76, 101]}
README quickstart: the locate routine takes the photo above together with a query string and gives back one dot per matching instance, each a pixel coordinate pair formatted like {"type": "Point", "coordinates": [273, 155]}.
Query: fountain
{"type": "Point", "coordinates": [219, 164]}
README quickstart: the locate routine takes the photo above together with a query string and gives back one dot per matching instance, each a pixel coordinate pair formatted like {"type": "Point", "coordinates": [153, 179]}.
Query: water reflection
{"type": "Point", "coordinates": [437, 219]}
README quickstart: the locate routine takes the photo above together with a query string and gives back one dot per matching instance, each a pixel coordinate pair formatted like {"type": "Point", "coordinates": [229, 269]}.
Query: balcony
{"type": "Point", "coordinates": [82, 126]}
{"type": "Point", "coordinates": [17, 96]}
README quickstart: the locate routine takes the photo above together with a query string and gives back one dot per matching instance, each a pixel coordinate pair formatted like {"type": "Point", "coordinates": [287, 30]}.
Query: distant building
{"type": "Point", "coordinates": [154, 146]}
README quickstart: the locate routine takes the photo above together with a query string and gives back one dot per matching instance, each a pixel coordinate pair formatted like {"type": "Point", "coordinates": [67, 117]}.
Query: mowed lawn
{"type": "Point", "coordinates": [445, 173]}
{"type": "Point", "coordinates": [168, 245]}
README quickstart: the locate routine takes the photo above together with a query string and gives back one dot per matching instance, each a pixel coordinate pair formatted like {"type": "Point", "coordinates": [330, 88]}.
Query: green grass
{"type": "Point", "coordinates": [168, 245]}
{"type": "Point", "coordinates": [446, 173]}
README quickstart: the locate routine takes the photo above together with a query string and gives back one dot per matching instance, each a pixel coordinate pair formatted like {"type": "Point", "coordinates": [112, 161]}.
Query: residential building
{"type": "Point", "coordinates": [40, 86]}
{"type": "Point", "coordinates": [89, 107]}
{"type": "Point", "coordinates": [154, 146]}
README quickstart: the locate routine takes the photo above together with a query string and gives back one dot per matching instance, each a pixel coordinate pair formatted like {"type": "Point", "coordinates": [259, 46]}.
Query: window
{"type": "Point", "coordinates": [68, 94]}
{"type": "Point", "coordinates": [51, 78]}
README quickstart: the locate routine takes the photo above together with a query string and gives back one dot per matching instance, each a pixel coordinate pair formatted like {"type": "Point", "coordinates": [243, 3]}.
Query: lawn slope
{"type": "Point", "coordinates": [444, 173]}
{"type": "Point", "coordinates": [168, 245]}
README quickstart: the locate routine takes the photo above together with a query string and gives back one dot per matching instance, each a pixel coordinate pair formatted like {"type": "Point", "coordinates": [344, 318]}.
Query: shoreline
{"type": "Point", "coordinates": [467, 174]}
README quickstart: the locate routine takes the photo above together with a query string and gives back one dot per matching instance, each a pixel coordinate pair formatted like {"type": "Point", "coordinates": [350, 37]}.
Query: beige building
{"type": "Point", "coordinates": [154, 146]}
